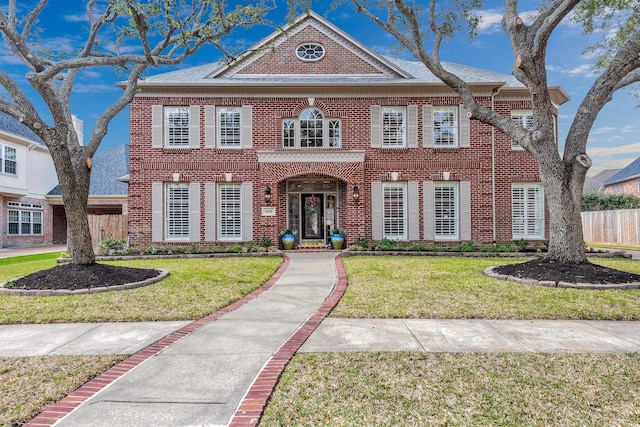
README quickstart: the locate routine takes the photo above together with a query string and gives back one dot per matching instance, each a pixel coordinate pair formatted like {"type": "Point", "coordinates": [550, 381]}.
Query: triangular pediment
{"type": "Point", "coordinates": [330, 52]}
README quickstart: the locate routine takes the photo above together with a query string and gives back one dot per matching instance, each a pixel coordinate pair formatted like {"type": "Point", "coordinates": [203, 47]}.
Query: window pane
{"type": "Point", "coordinates": [229, 127]}
{"type": "Point", "coordinates": [311, 128]}
{"type": "Point", "coordinates": [394, 216]}
{"type": "Point", "coordinates": [393, 126]}
{"type": "Point", "coordinates": [230, 211]}
{"type": "Point", "coordinates": [527, 211]}
{"type": "Point", "coordinates": [10, 160]}
{"type": "Point", "coordinates": [288, 134]}
{"type": "Point", "coordinates": [14, 222]}
{"type": "Point", "coordinates": [446, 211]}
{"type": "Point", "coordinates": [334, 133]}
{"type": "Point", "coordinates": [177, 213]}
{"type": "Point", "coordinates": [445, 126]}
{"type": "Point", "coordinates": [177, 126]}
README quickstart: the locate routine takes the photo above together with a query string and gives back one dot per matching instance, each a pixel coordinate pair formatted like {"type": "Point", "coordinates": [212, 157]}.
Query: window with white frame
{"type": "Point", "coordinates": [525, 119]}
{"type": "Point", "coordinates": [446, 210]}
{"type": "Point", "coordinates": [176, 126]}
{"type": "Point", "coordinates": [445, 126]}
{"type": "Point", "coordinates": [229, 126]}
{"type": "Point", "coordinates": [8, 159]}
{"type": "Point", "coordinates": [394, 212]}
{"type": "Point", "coordinates": [394, 126]}
{"type": "Point", "coordinates": [230, 211]}
{"type": "Point", "coordinates": [25, 220]}
{"type": "Point", "coordinates": [527, 211]}
{"type": "Point", "coordinates": [311, 130]}
{"type": "Point", "coordinates": [177, 211]}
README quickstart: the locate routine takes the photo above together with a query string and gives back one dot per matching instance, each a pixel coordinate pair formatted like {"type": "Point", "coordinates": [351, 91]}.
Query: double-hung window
{"type": "Point", "coordinates": [446, 210]}
{"type": "Point", "coordinates": [176, 127]}
{"type": "Point", "coordinates": [177, 211]}
{"type": "Point", "coordinates": [229, 126]}
{"type": "Point", "coordinates": [394, 126]}
{"type": "Point", "coordinates": [525, 119]}
{"type": "Point", "coordinates": [24, 219]}
{"type": "Point", "coordinates": [311, 130]}
{"type": "Point", "coordinates": [394, 211]}
{"type": "Point", "coordinates": [445, 126]}
{"type": "Point", "coordinates": [8, 159]}
{"type": "Point", "coordinates": [230, 211]}
{"type": "Point", "coordinates": [527, 211]}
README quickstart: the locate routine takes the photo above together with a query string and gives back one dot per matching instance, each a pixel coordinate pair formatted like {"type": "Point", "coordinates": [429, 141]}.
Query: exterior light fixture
{"type": "Point", "coordinates": [356, 193]}
{"type": "Point", "coordinates": [267, 194]}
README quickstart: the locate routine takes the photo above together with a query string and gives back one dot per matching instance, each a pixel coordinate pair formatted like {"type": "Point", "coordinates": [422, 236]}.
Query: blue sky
{"type": "Point", "coordinates": [614, 141]}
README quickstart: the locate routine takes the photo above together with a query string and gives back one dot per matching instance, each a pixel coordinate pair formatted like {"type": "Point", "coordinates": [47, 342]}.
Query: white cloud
{"type": "Point", "coordinates": [611, 151]}
{"type": "Point", "coordinates": [490, 21]}
{"type": "Point", "coordinates": [76, 17]}
{"type": "Point", "coordinates": [94, 88]}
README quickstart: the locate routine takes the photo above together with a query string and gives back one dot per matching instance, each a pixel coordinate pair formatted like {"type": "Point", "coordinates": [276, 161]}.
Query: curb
{"type": "Point", "coordinates": [56, 411]}
{"type": "Point", "coordinates": [255, 401]}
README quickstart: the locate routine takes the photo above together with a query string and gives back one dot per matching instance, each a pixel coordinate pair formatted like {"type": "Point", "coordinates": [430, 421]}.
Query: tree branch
{"type": "Point", "coordinates": [32, 18]}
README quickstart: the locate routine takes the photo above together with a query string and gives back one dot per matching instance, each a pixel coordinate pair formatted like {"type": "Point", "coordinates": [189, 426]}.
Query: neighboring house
{"type": "Point", "coordinates": [627, 181]}
{"type": "Point", "coordinates": [312, 130]}
{"type": "Point", "coordinates": [26, 174]}
{"type": "Point", "coordinates": [107, 190]}
{"type": "Point", "coordinates": [595, 183]}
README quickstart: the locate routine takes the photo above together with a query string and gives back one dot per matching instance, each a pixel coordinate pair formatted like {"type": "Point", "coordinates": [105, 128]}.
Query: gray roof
{"type": "Point", "coordinates": [107, 167]}
{"type": "Point", "coordinates": [595, 183]}
{"type": "Point", "coordinates": [10, 125]}
{"type": "Point", "coordinates": [631, 171]}
{"type": "Point", "coordinates": [421, 74]}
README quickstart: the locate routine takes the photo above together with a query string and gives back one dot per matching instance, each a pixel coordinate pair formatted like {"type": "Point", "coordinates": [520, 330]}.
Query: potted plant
{"type": "Point", "coordinates": [287, 236]}
{"type": "Point", "coordinates": [337, 238]}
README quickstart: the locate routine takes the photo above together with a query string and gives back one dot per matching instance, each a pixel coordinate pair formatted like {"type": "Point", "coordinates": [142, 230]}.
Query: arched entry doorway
{"type": "Point", "coordinates": [312, 210]}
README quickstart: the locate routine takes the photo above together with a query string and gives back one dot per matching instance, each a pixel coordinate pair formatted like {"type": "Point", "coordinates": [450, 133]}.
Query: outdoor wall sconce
{"type": "Point", "coordinates": [356, 193]}
{"type": "Point", "coordinates": [267, 194]}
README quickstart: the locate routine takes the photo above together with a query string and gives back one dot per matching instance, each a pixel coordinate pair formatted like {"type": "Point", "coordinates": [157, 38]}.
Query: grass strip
{"type": "Point", "coordinates": [29, 384]}
{"type": "Point", "coordinates": [461, 389]}
{"type": "Point", "coordinates": [456, 288]}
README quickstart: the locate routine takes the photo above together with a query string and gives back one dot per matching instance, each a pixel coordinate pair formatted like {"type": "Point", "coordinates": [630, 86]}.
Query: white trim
{"type": "Point", "coordinates": [311, 156]}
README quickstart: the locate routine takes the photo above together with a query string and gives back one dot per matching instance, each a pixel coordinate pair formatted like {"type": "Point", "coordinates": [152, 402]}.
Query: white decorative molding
{"type": "Point", "coordinates": [307, 156]}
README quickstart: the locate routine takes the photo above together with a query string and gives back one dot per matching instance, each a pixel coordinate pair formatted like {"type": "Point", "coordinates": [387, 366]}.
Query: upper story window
{"type": "Point", "coordinates": [229, 126]}
{"type": "Point", "coordinates": [8, 159]}
{"type": "Point", "coordinates": [310, 51]}
{"type": "Point", "coordinates": [176, 126]}
{"type": "Point", "coordinates": [445, 126]}
{"type": "Point", "coordinates": [394, 126]}
{"type": "Point", "coordinates": [525, 119]}
{"type": "Point", "coordinates": [311, 130]}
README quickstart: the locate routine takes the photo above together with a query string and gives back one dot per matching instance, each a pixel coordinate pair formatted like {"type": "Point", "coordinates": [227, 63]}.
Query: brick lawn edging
{"type": "Point", "coordinates": [489, 272]}
{"type": "Point", "coordinates": [82, 291]}
{"type": "Point", "coordinates": [255, 401]}
{"type": "Point", "coordinates": [56, 411]}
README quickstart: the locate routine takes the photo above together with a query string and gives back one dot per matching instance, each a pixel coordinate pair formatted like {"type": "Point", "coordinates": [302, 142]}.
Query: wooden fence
{"type": "Point", "coordinates": [108, 227]}
{"type": "Point", "coordinates": [617, 227]}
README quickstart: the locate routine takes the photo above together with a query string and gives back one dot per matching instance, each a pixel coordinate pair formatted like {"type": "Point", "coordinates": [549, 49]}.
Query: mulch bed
{"type": "Point", "coordinates": [544, 269]}
{"type": "Point", "coordinates": [73, 276]}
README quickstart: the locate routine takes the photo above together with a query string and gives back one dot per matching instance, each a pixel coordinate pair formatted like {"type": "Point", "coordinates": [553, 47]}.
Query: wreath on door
{"type": "Point", "coordinates": [312, 205]}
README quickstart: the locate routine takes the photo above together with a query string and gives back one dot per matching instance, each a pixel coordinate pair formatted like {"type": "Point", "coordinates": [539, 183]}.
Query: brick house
{"type": "Point", "coordinates": [312, 130]}
{"type": "Point", "coordinates": [625, 181]}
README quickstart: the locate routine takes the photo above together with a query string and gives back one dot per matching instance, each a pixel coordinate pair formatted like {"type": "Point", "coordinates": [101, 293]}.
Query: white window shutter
{"type": "Point", "coordinates": [412, 126]}
{"type": "Point", "coordinates": [465, 210]}
{"type": "Point", "coordinates": [210, 126]}
{"type": "Point", "coordinates": [247, 211]}
{"type": "Point", "coordinates": [156, 126]}
{"type": "Point", "coordinates": [194, 126]}
{"type": "Point", "coordinates": [376, 210]}
{"type": "Point", "coordinates": [157, 226]}
{"type": "Point", "coordinates": [465, 128]}
{"type": "Point", "coordinates": [413, 210]}
{"type": "Point", "coordinates": [376, 117]}
{"type": "Point", "coordinates": [210, 198]}
{"type": "Point", "coordinates": [246, 122]}
{"type": "Point", "coordinates": [427, 126]}
{"type": "Point", "coordinates": [194, 212]}
{"type": "Point", "coordinates": [429, 220]}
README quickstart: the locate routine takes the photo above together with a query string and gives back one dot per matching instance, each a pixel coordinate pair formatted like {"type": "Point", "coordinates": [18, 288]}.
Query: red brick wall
{"type": "Point", "coordinates": [625, 187]}
{"type": "Point", "coordinates": [46, 237]}
{"type": "Point", "coordinates": [420, 164]}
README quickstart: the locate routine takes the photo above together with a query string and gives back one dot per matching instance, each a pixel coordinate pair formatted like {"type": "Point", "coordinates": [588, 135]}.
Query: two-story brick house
{"type": "Point", "coordinates": [312, 130]}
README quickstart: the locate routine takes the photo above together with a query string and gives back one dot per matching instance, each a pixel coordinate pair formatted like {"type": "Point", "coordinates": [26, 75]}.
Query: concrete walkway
{"type": "Point", "coordinates": [220, 370]}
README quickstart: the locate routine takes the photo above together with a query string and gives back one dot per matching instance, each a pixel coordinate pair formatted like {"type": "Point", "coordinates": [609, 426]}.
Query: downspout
{"type": "Point", "coordinates": [494, 92]}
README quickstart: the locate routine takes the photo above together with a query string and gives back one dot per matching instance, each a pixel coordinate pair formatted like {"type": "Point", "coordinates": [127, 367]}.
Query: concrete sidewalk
{"type": "Point", "coordinates": [31, 250]}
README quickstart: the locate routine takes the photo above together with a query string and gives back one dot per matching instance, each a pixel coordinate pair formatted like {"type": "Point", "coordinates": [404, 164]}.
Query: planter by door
{"type": "Point", "coordinates": [287, 241]}
{"type": "Point", "coordinates": [337, 241]}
